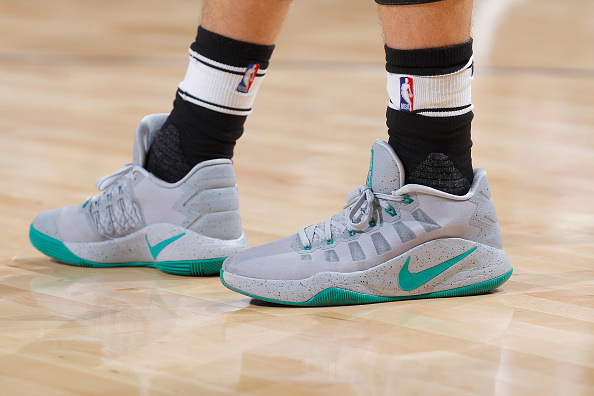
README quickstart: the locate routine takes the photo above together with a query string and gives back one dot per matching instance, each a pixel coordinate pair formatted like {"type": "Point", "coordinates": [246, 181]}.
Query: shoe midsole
{"type": "Point", "coordinates": [157, 243]}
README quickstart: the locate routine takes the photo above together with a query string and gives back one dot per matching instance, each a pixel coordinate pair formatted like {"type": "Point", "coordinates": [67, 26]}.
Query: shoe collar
{"type": "Point", "coordinates": [145, 135]}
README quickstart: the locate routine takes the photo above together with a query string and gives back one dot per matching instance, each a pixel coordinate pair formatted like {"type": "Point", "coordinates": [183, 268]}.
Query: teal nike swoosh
{"type": "Point", "coordinates": [409, 281]}
{"type": "Point", "coordinates": [155, 250]}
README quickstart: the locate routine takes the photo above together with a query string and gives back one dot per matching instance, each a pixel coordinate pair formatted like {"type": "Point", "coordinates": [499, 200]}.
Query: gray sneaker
{"type": "Point", "coordinates": [138, 220]}
{"type": "Point", "coordinates": [392, 242]}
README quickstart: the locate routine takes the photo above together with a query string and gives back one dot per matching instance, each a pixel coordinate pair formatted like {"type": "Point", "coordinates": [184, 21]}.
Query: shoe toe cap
{"type": "Point", "coordinates": [67, 224]}
{"type": "Point", "coordinates": [275, 260]}
{"type": "Point", "coordinates": [45, 223]}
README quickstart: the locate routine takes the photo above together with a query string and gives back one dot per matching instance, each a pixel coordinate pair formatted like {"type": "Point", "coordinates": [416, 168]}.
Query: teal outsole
{"type": "Point", "coordinates": [337, 296]}
{"type": "Point", "coordinates": [57, 250]}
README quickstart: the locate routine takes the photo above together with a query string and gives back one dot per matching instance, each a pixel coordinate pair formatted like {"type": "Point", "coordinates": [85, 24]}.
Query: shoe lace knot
{"type": "Point", "coordinates": [113, 210]}
{"type": "Point", "coordinates": [359, 213]}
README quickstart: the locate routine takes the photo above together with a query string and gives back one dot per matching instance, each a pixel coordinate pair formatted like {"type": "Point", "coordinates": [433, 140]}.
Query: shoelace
{"type": "Point", "coordinates": [357, 215]}
{"type": "Point", "coordinates": [103, 183]}
{"type": "Point", "coordinates": [113, 210]}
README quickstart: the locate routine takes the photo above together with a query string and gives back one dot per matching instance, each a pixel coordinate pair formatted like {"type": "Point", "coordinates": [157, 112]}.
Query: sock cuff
{"type": "Point", "coordinates": [428, 61]}
{"type": "Point", "coordinates": [230, 51]}
{"type": "Point", "coordinates": [224, 74]}
{"type": "Point", "coordinates": [433, 96]}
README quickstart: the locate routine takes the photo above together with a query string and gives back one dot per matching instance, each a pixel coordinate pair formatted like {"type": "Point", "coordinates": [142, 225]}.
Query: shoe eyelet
{"type": "Point", "coordinates": [372, 223]}
{"type": "Point", "coordinates": [407, 200]}
{"type": "Point", "coordinates": [391, 211]}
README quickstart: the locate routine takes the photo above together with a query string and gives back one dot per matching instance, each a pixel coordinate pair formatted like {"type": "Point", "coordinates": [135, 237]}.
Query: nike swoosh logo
{"type": "Point", "coordinates": [409, 281]}
{"type": "Point", "coordinates": [155, 250]}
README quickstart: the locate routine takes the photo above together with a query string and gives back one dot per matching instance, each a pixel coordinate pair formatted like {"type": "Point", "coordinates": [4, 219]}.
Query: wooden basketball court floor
{"type": "Point", "coordinates": [77, 76]}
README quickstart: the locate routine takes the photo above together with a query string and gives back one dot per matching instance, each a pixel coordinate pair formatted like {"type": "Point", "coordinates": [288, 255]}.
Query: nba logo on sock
{"type": "Point", "coordinates": [248, 78]}
{"type": "Point", "coordinates": [406, 94]}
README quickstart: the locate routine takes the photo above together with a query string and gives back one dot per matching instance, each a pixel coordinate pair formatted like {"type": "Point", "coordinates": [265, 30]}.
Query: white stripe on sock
{"type": "Point", "coordinates": [440, 96]}
{"type": "Point", "coordinates": [206, 85]}
{"type": "Point", "coordinates": [215, 64]}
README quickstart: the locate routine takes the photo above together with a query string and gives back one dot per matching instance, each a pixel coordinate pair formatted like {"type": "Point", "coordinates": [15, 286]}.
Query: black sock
{"type": "Point", "coordinates": [435, 151]}
{"type": "Point", "coordinates": [203, 126]}
{"type": "Point", "coordinates": [432, 141]}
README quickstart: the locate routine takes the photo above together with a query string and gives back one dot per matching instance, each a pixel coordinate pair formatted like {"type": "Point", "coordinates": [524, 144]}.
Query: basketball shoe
{"type": "Point", "coordinates": [392, 242]}
{"type": "Point", "coordinates": [185, 228]}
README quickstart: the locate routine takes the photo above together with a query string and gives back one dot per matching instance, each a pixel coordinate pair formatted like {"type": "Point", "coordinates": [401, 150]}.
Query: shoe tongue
{"type": "Point", "coordinates": [386, 172]}
{"type": "Point", "coordinates": [145, 135]}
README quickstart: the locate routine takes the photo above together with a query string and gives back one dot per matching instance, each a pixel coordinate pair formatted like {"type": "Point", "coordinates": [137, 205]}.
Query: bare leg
{"type": "Point", "coordinates": [253, 21]}
{"type": "Point", "coordinates": [426, 25]}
